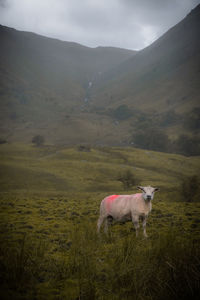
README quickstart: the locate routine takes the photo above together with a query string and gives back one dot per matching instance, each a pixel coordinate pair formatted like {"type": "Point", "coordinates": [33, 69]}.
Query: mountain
{"type": "Point", "coordinates": [159, 87]}
{"type": "Point", "coordinates": [165, 74]}
{"type": "Point", "coordinates": [70, 93]}
{"type": "Point", "coordinates": [42, 78]}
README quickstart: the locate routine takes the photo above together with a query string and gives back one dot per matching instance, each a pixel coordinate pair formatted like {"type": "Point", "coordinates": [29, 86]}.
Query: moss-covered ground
{"type": "Point", "coordinates": [50, 199]}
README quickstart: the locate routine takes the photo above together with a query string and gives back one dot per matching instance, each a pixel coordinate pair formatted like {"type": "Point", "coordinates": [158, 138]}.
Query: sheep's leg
{"type": "Point", "coordinates": [108, 222]}
{"type": "Point", "coordinates": [144, 222]}
{"type": "Point", "coordinates": [135, 220]}
{"type": "Point", "coordinates": [99, 223]}
{"type": "Point", "coordinates": [106, 226]}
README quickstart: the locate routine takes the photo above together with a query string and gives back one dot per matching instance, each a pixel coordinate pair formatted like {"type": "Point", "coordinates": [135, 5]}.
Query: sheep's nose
{"type": "Point", "coordinates": [149, 197]}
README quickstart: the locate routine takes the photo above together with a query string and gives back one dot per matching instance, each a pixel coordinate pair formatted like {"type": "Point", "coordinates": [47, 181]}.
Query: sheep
{"type": "Point", "coordinates": [123, 208]}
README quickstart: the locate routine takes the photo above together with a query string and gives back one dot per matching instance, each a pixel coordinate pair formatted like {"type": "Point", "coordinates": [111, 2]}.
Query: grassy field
{"type": "Point", "coordinates": [49, 248]}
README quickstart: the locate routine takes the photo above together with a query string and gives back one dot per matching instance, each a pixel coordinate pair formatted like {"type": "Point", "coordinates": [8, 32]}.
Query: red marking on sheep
{"type": "Point", "coordinates": [109, 200]}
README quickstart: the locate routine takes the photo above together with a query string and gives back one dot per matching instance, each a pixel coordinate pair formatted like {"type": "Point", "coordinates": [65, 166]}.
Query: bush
{"type": "Point", "coordinates": [84, 148]}
{"type": "Point", "coordinates": [128, 179]}
{"type": "Point", "coordinates": [121, 113]}
{"type": "Point", "coordinates": [38, 140]}
{"type": "Point", "coordinates": [190, 188]}
{"type": "Point", "coordinates": [3, 141]}
{"type": "Point", "coordinates": [169, 118]}
{"type": "Point", "coordinates": [152, 139]}
{"type": "Point", "coordinates": [187, 145]}
{"type": "Point", "coordinates": [192, 120]}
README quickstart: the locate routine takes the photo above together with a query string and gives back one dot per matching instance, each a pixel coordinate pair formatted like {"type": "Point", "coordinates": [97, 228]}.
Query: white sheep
{"type": "Point", "coordinates": [123, 208]}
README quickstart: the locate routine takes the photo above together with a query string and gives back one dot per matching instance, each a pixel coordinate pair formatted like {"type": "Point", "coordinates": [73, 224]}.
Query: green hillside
{"type": "Point", "coordinates": [49, 248]}
{"type": "Point", "coordinates": [43, 80]}
{"type": "Point", "coordinates": [163, 76]}
{"type": "Point", "coordinates": [159, 86]}
{"type": "Point", "coordinates": [78, 124]}
{"type": "Point", "coordinates": [52, 168]}
{"type": "Point", "coordinates": [73, 94]}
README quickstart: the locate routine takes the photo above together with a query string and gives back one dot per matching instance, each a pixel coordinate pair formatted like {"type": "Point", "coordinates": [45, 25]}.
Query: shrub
{"type": "Point", "coordinates": [3, 141]}
{"type": "Point", "coordinates": [128, 179]}
{"type": "Point", "coordinates": [187, 145]}
{"type": "Point", "coordinates": [84, 148]}
{"type": "Point", "coordinates": [169, 118]}
{"type": "Point", "coordinates": [190, 188]}
{"type": "Point", "coordinates": [152, 139]}
{"type": "Point", "coordinates": [121, 113]}
{"type": "Point", "coordinates": [192, 120]}
{"type": "Point", "coordinates": [38, 140]}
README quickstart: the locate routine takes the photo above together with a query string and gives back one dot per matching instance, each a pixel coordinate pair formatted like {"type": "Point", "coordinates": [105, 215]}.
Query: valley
{"type": "Point", "coordinates": [73, 94]}
{"type": "Point", "coordinates": [78, 124]}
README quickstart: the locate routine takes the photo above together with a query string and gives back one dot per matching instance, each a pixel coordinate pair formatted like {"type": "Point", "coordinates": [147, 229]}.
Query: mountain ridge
{"type": "Point", "coordinates": [73, 94]}
{"type": "Point", "coordinates": [150, 57]}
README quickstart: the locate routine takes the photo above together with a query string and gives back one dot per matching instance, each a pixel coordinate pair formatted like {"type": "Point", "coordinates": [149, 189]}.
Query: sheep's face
{"type": "Point", "coordinates": [148, 192]}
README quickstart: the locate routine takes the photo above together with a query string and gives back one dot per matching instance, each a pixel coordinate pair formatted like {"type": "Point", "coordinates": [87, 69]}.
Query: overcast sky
{"type": "Point", "coordinates": [131, 24]}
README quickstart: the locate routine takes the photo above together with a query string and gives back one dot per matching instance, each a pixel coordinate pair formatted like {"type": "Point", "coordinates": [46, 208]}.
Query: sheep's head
{"type": "Point", "coordinates": [148, 192]}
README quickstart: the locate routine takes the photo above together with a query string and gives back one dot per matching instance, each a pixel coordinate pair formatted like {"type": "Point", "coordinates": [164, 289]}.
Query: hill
{"type": "Point", "coordinates": [50, 199]}
{"type": "Point", "coordinates": [73, 94]}
{"type": "Point", "coordinates": [163, 76]}
{"type": "Point", "coordinates": [159, 86]}
{"type": "Point", "coordinates": [44, 79]}
{"type": "Point", "coordinates": [27, 168]}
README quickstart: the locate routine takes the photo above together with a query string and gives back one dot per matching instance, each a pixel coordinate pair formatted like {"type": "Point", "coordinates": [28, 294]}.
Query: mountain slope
{"type": "Point", "coordinates": [42, 80]}
{"type": "Point", "coordinates": [75, 60]}
{"type": "Point", "coordinates": [73, 94]}
{"type": "Point", "coordinates": [165, 74]}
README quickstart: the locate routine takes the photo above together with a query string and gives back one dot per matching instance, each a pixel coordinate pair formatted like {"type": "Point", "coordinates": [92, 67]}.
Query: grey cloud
{"type": "Point", "coordinates": [157, 12]}
{"type": "Point", "coordinates": [3, 4]}
{"type": "Point", "coordinates": [130, 24]}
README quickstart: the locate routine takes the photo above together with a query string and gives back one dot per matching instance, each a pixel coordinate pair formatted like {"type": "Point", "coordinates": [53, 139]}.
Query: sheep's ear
{"type": "Point", "coordinates": [140, 188]}
{"type": "Point", "coordinates": [156, 189]}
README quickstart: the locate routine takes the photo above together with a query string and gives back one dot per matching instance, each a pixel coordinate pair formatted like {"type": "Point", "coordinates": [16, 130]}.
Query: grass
{"type": "Point", "coordinates": [49, 248]}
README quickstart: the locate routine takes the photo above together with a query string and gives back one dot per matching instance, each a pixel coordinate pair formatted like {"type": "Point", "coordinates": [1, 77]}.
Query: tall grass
{"type": "Point", "coordinates": [101, 267]}
{"type": "Point", "coordinates": [51, 197]}
{"type": "Point", "coordinates": [21, 268]}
